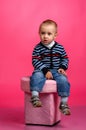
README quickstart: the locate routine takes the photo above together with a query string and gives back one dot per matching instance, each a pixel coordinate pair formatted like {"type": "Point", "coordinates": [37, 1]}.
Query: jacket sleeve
{"type": "Point", "coordinates": [64, 59]}
{"type": "Point", "coordinates": [36, 61]}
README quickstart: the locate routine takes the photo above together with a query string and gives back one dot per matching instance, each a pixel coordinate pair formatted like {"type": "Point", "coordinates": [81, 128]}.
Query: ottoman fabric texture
{"type": "Point", "coordinates": [49, 113]}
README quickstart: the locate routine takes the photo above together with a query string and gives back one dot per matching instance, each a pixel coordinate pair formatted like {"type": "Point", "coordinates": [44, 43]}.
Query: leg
{"type": "Point", "coordinates": [63, 88]}
{"type": "Point", "coordinates": [37, 81]}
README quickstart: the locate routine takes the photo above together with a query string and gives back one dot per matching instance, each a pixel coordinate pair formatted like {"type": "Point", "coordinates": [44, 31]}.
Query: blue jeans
{"type": "Point", "coordinates": [37, 81]}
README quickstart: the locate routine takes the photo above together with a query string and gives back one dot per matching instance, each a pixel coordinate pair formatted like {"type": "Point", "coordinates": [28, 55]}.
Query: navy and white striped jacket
{"type": "Point", "coordinates": [44, 58]}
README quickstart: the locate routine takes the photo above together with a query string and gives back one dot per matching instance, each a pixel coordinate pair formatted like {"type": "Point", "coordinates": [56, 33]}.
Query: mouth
{"type": "Point", "coordinates": [45, 40]}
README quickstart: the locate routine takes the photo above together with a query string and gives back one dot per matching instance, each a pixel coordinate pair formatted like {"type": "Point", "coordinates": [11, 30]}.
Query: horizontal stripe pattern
{"type": "Point", "coordinates": [53, 58]}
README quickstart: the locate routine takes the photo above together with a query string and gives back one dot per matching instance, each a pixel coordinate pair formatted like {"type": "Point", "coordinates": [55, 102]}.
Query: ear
{"type": "Point", "coordinates": [56, 34]}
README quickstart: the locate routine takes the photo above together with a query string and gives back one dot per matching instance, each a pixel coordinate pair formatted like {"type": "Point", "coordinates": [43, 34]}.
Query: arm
{"type": "Point", "coordinates": [64, 60]}
{"type": "Point", "coordinates": [37, 61]}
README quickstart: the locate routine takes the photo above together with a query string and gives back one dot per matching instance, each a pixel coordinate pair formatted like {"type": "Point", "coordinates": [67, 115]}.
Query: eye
{"type": "Point", "coordinates": [49, 33]}
{"type": "Point", "coordinates": [42, 32]}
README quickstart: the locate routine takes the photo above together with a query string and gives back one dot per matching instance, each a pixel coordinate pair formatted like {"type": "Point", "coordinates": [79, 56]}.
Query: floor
{"type": "Point", "coordinates": [13, 119]}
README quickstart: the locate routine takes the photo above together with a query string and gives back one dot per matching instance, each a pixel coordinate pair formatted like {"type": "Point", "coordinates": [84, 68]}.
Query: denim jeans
{"type": "Point", "coordinates": [37, 81]}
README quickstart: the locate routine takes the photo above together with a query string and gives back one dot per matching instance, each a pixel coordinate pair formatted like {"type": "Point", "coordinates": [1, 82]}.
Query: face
{"type": "Point", "coordinates": [47, 33]}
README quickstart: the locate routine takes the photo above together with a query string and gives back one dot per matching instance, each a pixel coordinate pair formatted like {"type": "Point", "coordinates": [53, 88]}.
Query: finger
{"type": "Point", "coordinates": [60, 71]}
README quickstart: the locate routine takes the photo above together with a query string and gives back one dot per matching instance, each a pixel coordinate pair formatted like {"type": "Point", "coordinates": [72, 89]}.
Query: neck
{"type": "Point", "coordinates": [50, 44]}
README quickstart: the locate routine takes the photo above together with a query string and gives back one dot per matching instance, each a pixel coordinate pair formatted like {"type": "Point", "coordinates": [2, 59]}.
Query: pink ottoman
{"type": "Point", "coordinates": [49, 113]}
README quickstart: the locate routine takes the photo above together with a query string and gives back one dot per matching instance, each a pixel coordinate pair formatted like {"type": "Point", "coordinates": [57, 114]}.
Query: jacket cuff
{"type": "Point", "coordinates": [63, 67]}
{"type": "Point", "coordinates": [45, 70]}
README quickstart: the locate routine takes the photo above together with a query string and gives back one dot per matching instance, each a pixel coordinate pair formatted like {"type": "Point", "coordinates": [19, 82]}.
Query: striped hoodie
{"type": "Point", "coordinates": [44, 58]}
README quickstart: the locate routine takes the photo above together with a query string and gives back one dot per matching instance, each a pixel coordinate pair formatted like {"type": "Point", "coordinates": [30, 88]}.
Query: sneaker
{"type": "Point", "coordinates": [64, 109]}
{"type": "Point", "coordinates": [36, 101]}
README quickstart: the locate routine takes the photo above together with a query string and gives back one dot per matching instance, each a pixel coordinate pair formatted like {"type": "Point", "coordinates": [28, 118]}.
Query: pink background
{"type": "Point", "coordinates": [19, 22]}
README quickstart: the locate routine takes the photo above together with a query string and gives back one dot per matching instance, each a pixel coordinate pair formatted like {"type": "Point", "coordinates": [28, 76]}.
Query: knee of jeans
{"type": "Point", "coordinates": [63, 78]}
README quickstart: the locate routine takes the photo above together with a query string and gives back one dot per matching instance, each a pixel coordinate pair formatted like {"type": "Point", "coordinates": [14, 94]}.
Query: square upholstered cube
{"type": "Point", "coordinates": [49, 113]}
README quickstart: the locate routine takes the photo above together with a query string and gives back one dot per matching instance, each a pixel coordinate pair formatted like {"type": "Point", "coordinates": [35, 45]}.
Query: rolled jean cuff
{"type": "Point", "coordinates": [63, 94]}
{"type": "Point", "coordinates": [35, 89]}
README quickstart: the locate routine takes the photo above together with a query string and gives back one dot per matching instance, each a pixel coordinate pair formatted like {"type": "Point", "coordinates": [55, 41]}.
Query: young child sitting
{"type": "Point", "coordinates": [50, 61]}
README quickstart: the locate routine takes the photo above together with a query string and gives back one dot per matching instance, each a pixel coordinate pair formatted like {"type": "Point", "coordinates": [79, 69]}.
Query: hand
{"type": "Point", "coordinates": [49, 75]}
{"type": "Point", "coordinates": [62, 71]}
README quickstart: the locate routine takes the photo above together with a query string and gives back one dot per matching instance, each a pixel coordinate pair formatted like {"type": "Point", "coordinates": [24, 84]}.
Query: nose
{"type": "Point", "coordinates": [45, 36]}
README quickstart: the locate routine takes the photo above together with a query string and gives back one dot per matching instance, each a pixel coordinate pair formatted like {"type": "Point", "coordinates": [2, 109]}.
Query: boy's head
{"type": "Point", "coordinates": [48, 31]}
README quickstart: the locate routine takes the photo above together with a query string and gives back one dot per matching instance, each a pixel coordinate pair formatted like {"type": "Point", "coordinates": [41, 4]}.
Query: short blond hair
{"type": "Point", "coordinates": [49, 22]}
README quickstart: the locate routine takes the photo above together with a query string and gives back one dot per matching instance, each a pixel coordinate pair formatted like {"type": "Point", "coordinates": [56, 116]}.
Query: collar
{"type": "Point", "coordinates": [50, 45]}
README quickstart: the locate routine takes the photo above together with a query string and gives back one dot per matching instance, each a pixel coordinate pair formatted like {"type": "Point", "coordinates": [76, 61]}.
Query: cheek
{"type": "Point", "coordinates": [52, 37]}
{"type": "Point", "coordinates": [40, 36]}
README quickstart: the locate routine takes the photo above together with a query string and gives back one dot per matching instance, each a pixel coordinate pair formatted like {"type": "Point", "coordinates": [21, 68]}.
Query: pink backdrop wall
{"type": "Point", "coordinates": [19, 22]}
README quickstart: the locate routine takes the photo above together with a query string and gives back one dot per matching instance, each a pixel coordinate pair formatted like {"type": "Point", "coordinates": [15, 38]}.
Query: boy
{"type": "Point", "coordinates": [50, 61]}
